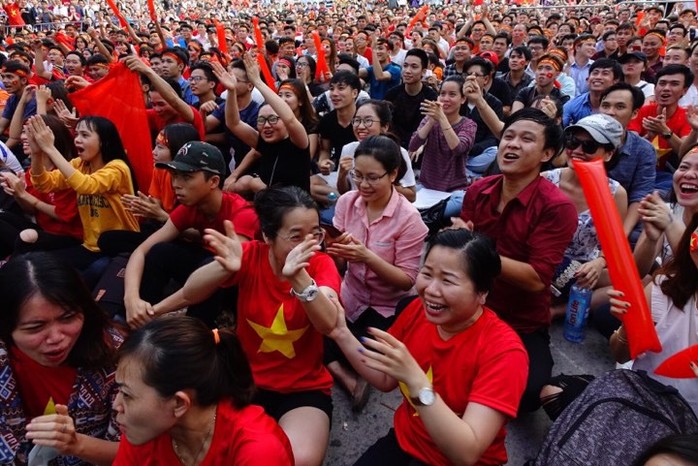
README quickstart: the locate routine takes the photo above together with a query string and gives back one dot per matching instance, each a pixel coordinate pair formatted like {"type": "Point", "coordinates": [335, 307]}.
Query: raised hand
{"type": "Point", "coordinates": [299, 257]}
{"type": "Point", "coordinates": [226, 247]}
{"type": "Point", "coordinates": [225, 77]}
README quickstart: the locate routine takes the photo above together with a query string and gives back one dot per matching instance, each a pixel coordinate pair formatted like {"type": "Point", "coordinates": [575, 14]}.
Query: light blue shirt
{"type": "Point", "coordinates": [580, 75]}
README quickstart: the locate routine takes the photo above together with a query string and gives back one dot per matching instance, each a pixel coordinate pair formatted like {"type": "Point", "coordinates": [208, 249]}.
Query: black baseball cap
{"type": "Point", "coordinates": [197, 156]}
{"type": "Point", "coordinates": [636, 55]}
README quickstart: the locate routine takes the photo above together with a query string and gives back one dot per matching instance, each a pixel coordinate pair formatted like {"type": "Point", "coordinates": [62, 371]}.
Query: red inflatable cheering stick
{"type": "Point", "coordinates": [678, 366]}
{"type": "Point", "coordinates": [322, 68]}
{"type": "Point", "coordinates": [263, 65]}
{"type": "Point", "coordinates": [642, 335]}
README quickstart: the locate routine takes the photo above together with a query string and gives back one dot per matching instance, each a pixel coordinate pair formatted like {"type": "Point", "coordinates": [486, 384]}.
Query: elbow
{"type": "Point", "coordinates": [537, 285]}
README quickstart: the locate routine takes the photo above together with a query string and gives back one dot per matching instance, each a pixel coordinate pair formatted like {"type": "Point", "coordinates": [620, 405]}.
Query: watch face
{"type": "Point", "coordinates": [427, 396]}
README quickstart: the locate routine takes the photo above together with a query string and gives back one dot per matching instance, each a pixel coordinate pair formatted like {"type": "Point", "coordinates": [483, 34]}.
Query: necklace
{"type": "Point", "coordinates": [202, 449]}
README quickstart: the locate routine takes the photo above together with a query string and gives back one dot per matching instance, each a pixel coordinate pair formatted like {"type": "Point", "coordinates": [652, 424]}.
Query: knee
{"type": "Point", "coordinates": [29, 235]}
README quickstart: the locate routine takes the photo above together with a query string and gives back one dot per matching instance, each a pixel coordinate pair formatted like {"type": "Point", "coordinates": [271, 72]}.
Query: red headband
{"type": "Point", "coordinates": [174, 56]}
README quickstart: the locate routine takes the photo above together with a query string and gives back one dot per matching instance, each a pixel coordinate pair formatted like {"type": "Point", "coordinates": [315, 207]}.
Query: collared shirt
{"type": "Point", "coordinates": [677, 122]}
{"type": "Point", "coordinates": [576, 109]}
{"type": "Point", "coordinates": [526, 79]}
{"type": "Point", "coordinates": [535, 228]}
{"type": "Point", "coordinates": [451, 70]}
{"type": "Point", "coordinates": [635, 169]}
{"type": "Point", "coordinates": [580, 75]}
{"type": "Point", "coordinates": [397, 237]}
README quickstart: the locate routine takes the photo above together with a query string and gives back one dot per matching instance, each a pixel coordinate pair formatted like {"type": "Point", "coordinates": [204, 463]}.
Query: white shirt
{"type": "Point", "coordinates": [407, 181]}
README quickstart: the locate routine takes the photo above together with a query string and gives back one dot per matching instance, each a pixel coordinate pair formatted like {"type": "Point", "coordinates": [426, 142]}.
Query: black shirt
{"type": "Point", "coordinates": [283, 164]}
{"type": "Point", "coordinates": [338, 135]}
{"type": "Point", "coordinates": [406, 113]}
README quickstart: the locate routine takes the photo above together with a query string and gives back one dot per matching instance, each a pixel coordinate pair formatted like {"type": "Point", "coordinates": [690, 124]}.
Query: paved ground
{"type": "Point", "coordinates": [353, 434]}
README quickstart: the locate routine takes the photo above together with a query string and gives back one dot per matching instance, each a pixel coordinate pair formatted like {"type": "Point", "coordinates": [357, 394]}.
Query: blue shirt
{"type": "Point", "coordinates": [11, 106]}
{"type": "Point", "coordinates": [636, 167]}
{"type": "Point", "coordinates": [576, 109]}
{"type": "Point", "coordinates": [580, 75]}
{"type": "Point", "coordinates": [187, 94]}
{"type": "Point", "coordinates": [379, 88]}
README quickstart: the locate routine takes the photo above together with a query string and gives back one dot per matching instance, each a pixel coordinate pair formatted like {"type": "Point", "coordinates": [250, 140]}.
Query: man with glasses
{"type": "Point", "coordinates": [197, 176]}
{"type": "Point", "coordinates": [484, 150]}
{"type": "Point", "coordinates": [203, 84]}
{"type": "Point", "coordinates": [538, 46]}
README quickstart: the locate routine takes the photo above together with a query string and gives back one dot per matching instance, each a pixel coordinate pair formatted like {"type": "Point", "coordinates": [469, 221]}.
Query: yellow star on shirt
{"type": "Point", "coordinates": [278, 337]}
{"type": "Point", "coordinates": [406, 392]}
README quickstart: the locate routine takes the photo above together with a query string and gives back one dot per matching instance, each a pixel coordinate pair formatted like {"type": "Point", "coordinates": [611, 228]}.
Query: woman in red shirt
{"type": "Point", "coordinates": [184, 397]}
{"type": "Point", "coordinates": [461, 369]}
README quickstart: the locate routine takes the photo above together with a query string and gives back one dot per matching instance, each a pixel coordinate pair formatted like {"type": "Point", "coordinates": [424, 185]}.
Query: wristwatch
{"type": "Point", "coordinates": [308, 294]}
{"type": "Point", "coordinates": [668, 134]}
{"type": "Point", "coordinates": [425, 397]}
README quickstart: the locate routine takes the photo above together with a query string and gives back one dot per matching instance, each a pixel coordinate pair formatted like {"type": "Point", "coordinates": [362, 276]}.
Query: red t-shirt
{"type": "Point", "coordinates": [161, 188]}
{"type": "Point", "coordinates": [678, 123]}
{"type": "Point", "coordinates": [246, 437]}
{"type": "Point", "coordinates": [535, 227]}
{"type": "Point", "coordinates": [157, 124]}
{"type": "Point", "coordinates": [485, 364]}
{"type": "Point", "coordinates": [66, 203]}
{"type": "Point", "coordinates": [233, 208]}
{"type": "Point", "coordinates": [284, 349]}
{"type": "Point", "coordinates": [41, 387]}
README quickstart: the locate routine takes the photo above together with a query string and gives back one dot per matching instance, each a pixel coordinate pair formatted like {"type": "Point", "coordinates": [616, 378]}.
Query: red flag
{"type": "Point", "coordinates": [151, 11]}
{"type": "Point", "coordinates": [477, 2]}
{"type": "Point", "coordinates": [220, 32]}
{"type": "Point", "coordinates": [118, 97]}
{"type": "Point", "coordinates": [61, 38]}
{"type": "Point", "coordinates": [117, 13]}
{"type": "Point", "coordinates": [421, 14]}
{"type": "Point", "coordinates": [322, 68]}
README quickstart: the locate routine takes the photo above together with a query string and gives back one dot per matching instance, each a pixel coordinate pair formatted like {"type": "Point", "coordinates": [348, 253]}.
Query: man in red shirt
{"type": "Point", "coordinates": [197, 176]}
{"type": "Point", "coordinates": [663, 122]}
{"type": "Point", "coordinates": [532, 223]}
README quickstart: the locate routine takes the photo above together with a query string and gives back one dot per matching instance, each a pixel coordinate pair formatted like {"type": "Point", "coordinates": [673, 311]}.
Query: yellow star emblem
{"type": "Point", "coordinates": [406, 392]}
{"type": "Point", "coordinates": [277, 337]}
{"type": "Point", "coordinates": [50, 407]}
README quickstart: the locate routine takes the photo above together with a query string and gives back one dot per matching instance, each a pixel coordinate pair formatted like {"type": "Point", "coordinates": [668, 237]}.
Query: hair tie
{"type": "Point", "coordinates": [216, 336]}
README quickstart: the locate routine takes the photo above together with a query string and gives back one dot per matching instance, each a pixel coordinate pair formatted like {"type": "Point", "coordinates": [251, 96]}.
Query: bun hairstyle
{"type": "Point", "coordinates": [179, 353]}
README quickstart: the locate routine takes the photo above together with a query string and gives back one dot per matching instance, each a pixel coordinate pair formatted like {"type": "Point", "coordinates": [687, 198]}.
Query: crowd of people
{"type": "Point", "coordinates": [291, 144]}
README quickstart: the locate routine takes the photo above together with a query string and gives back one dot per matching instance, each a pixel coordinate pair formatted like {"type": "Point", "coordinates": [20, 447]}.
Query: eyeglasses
{"type": "Point", "coordinates": [196, 79]}
{"type": "Point", "coordinates": [367, 122]}
{"type": "Point", "coordinates": [588, 147]}
{"type": "Point", "coordinates": [271, 119]}
{"type": "Point", "coordinates": [297, 238]}
{"type": "Point", "coordinates": [370, 179]}
{"type": "Point", "coordinates": [301, 64]}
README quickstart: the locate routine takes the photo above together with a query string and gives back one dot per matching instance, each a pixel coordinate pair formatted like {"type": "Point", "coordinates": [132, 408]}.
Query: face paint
{"type": "Point", "coordinates": [694, 242]}
{"type": "Point", "coordinates": [549, 75]}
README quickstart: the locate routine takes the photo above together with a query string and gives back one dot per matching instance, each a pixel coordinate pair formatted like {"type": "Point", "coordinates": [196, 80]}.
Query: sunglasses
{"type": "Point", "coordinates": [588, 147]}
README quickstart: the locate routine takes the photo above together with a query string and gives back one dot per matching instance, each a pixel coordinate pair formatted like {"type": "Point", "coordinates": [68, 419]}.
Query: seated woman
{"type": "Point", "coordinates": [283, 311]}
{"type": "Point", "coordinates": [57, 353]}
{"type": "Point", "coordinates": [446, 417]}
{"type": "Point", "coordinates": [57, 224]}
{"type": "Point", "coordinates": [373, 118]}
{"type": "Point", "coordinates": [280, 138]}
{"type": "Point", "coordinates": [184, 398]}
{"type": "Point", "coordinates": [674, 306]}
{"type": "Point", "coordinates": [100, 175]}
{"type": "Point", "coordinates": [382, 239]}
{"type": "Point", "coordinates": [595, 136]}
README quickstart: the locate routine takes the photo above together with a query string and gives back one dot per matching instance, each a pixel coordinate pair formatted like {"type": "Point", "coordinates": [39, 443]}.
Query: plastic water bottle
{"type": "Point", "coordinates": [576, 315]}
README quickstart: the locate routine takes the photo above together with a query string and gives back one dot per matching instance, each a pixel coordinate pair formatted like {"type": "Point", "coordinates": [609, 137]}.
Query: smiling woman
{"type": "Point", "coordinates": [447, 416]}
{"type": "Point", "coordinates": [56, 359]}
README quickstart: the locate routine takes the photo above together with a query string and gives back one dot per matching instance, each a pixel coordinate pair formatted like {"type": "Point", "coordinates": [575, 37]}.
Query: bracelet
{"type": "Point", "coordinates": [620, 338]}
{"type": "Point", "coordinates": [450, 127]}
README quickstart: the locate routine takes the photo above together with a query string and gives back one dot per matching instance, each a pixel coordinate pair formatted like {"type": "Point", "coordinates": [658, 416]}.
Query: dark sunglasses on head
{"type": "Point", "coordinates": [588, 147]}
